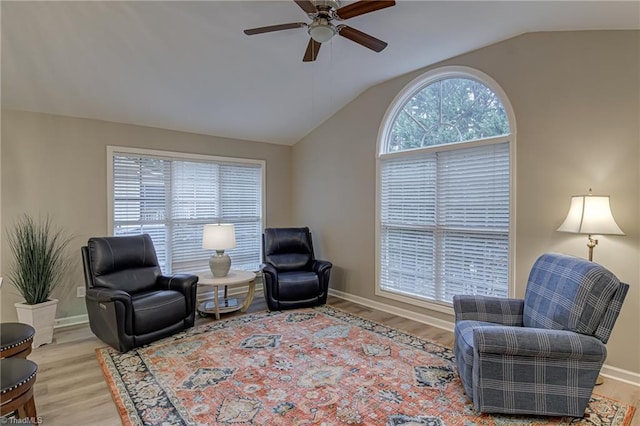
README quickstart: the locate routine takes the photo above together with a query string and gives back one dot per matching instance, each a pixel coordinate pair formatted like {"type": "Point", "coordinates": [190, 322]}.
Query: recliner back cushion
{"type": "Point", "coordinates": [288, 249]}
{"type": "Point", "coordinates": [124, 263]}
{"type": "Point", "coordinates": [567, 293]}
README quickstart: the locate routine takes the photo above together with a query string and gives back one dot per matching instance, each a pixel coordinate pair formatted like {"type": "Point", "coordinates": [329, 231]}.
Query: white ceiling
{"type": "Point", "coordinates": [188, 66]}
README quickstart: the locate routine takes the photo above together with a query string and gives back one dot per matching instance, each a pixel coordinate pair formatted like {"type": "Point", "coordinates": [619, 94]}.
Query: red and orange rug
{"type": "Point", "coordinates": [311, 366]}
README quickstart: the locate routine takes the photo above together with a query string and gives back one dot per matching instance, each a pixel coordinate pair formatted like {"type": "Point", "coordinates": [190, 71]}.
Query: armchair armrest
{"type": "Point", "coordinates": [185, 284]}
{"type": "Point", "coordinates": [269, 269]}
{"type": "Point", "coordinates": [111, 316]}
{"type": "Point", "coordinates": [497, 310]}
{"type": "Point", "coordinates": [107, 295]}
{"type": "Point", "coordinates": [537, 342]}
{"type": "Point", "coordinates": [269, 284]}
{"type": "Point", "coordinates": [320, 266]}
{"type": "Point", "coordinates": [178, 282]}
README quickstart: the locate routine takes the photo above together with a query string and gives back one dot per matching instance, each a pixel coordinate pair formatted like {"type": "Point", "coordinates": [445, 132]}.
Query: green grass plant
{"type": "Point", "coordinates": [39, 258]}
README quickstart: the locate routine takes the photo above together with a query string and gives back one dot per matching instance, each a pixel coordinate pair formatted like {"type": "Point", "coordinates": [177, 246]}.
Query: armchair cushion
{"type": "Point", "coordinates": [288, 249]}
{"type": "Point", "coordinates": [129, 264]}
{"type": "Point", "coordinates": [153, 310]}
{"type": "Point", "coordinates": [129, 280]}
{"type": "Point", "coordinates": [298, 285]}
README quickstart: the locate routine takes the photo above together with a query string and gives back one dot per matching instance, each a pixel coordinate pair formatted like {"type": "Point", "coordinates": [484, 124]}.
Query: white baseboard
{"type": "Point", "coordinates": [608, 371]}
{"type": "Point", "coordinates": [616, 373]}
{"type": "Point", "coordinates": [425, 319]}
{"type": "Point", "coordinates": [69, 321]}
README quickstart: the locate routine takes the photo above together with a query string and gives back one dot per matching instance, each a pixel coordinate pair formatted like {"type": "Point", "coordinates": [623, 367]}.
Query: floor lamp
{"type": "Point", "coordinates": [590, 214]}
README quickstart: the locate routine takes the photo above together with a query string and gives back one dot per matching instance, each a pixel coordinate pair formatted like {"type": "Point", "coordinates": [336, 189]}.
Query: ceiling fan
{"type": "Point", "coordinates": [321, 29]}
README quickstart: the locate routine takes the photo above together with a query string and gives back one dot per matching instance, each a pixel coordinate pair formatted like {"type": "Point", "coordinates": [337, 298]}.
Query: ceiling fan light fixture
{"type": "Point", "coordinates": [322, 30]}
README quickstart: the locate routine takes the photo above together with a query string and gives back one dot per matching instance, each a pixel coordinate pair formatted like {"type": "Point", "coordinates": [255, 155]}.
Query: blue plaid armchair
{"type": "Point", "coordinates": [540, 355]}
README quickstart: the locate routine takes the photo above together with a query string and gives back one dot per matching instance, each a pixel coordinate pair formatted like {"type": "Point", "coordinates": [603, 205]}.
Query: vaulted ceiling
{"type": "Point", "coordinates": [188, 65]}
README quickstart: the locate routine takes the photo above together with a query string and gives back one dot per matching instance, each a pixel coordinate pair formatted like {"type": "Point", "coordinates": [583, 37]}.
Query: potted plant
{"type": "Point", "coordinates": [39, 264]}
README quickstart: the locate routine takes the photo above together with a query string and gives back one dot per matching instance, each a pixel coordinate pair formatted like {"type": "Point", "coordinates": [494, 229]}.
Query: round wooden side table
{"type": "Point", "coordinates": [235, 278]}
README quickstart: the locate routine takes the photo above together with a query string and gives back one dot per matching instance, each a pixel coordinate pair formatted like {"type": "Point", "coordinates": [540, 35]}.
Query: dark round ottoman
{"type": "Point", "coordinates": [18, 376]}
{"type": "Point", "coordinates": [15, 339]}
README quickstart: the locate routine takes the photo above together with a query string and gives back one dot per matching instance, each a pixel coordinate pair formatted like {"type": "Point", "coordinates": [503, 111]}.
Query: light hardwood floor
{"type": "Point", "coordinates": [71, 390]}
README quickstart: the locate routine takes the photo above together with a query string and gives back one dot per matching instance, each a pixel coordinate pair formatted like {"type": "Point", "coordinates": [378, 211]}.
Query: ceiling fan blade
{"type": "Point", "coordinates": [261, 30]}
{"type": "Point", "coordinates": [362, 7]}
{"type": "Point", "coordinates": [362, 38]}
{"type": "Point", "coordinates": [312, 51]}
{"type": "Point", "coordinates": [306, 5]}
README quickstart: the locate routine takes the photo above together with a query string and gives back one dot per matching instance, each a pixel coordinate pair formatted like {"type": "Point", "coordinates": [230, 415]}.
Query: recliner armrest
{"type": "Point", "coordinates": [538, 342]}
{"type": "Point", "coordinates": [106, 295]}
{"type": "Point", "coordinates": [269, 269]}
{"type": "Point", "coordinates": [178, 282]}
{"type": "Point", "coordinates": [320, 266]}
{"type": "Point", "coordinates": [185, 284]}
{"type": "Point", "coordinates": [498, 310]}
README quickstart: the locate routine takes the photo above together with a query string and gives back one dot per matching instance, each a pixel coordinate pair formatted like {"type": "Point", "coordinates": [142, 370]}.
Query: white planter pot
{"type": "Point", "coordinates": [41, 317]}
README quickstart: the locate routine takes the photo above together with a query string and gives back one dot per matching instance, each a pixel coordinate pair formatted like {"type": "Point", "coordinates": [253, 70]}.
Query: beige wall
{"type": "Point", "coordinates": [58, 166]}
{"type": "Point", "coordinates": [576, 100]}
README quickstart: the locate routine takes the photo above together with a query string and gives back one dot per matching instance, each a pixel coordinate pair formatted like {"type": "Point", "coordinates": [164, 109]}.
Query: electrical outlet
{"type": "Point", "coordinates": [81, 292]}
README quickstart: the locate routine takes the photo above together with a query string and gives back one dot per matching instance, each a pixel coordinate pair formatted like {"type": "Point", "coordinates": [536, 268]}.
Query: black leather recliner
{"type": "Point", "coordinates": [292, 277]}
{"type": "Point", "coordinates": [129, 302]}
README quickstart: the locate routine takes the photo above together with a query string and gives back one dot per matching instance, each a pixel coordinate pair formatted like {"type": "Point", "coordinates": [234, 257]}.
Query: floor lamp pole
{"type": "Point", "coordinates": [591, 244]}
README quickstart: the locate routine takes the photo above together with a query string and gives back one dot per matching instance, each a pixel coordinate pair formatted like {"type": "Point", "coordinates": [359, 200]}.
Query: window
{"type": "Point", "coordinates": [444, 190]}
{"type": "Point", "coordinates": [171, 196]}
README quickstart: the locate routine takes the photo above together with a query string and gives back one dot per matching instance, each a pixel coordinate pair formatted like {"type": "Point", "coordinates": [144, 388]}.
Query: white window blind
{"type": "Point", "coordinates": [172, 198]}
{"type": "Point", "coordinates": [444, 188]}
{"type": "Point", "coordinates": [444, 223]}
{"type": "Point", "coordinates": [408, 224]}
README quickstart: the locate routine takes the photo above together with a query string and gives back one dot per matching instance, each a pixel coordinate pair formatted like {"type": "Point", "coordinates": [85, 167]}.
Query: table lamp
{"type": "Point", "coordinates": [219, 237]}
{"type": "Point", "coordinates": [591, 215]}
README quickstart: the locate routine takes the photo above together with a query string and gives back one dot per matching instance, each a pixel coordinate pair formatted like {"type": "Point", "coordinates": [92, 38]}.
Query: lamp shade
{"type": "Point", "coordinates": [219, 236]}
{"type": "Point", "coordinates": [590, 214]}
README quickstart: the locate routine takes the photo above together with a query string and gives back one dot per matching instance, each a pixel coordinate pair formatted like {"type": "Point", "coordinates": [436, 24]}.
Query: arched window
{"type": "Point", "coordinates": [444, 197]}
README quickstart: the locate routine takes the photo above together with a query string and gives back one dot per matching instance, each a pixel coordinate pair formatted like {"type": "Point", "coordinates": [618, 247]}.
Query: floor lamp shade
{"type": "Point", "coordinates": [591, 215]}
{"type": "Point", "coordinates": [219, 237]}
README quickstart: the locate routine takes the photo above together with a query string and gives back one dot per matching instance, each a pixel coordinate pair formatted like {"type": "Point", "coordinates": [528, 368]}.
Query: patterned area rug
{"type": "Point", "coordinates": [311, 366]}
